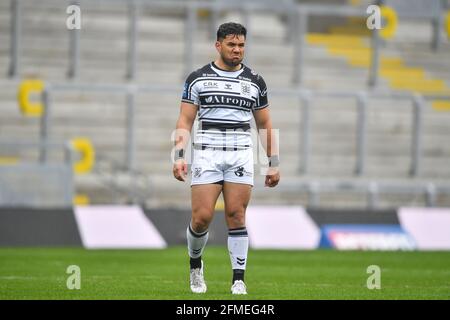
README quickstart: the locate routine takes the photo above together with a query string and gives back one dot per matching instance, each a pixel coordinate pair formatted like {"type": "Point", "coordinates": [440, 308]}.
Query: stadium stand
{"type": "Point", "coordinates": [332, 62]}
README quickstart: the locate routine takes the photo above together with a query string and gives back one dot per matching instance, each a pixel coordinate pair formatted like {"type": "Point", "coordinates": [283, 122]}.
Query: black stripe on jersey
{"type": "Point", "coordinates": [226, 107]}
{"type": "Point", "coordinates": [220, 132]}
{"type": "Point", "coordinates": [220, 147]}
{"type": "Point", "coordinates": [222, 120]}
{"type": "Point", "coordinates": [206, 125]}
{"type": "Point", "coordinates": [222, 97]}
{"type": "Point", "coordinates": [238, 94]}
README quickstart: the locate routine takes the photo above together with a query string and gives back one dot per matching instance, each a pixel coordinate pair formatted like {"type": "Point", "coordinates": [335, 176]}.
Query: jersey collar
{"type": "Point", "coordinates": [224, 73]}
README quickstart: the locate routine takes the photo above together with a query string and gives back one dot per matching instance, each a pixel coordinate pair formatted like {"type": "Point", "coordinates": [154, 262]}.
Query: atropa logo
{"type": "Point", "coordinates": [230, 101]}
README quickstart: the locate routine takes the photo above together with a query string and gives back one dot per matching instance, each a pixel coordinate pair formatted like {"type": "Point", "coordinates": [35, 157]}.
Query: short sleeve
{"type": "Point", "coordinates": [190, 92]}
{"type": "Point", "coordinates": [262, 101]}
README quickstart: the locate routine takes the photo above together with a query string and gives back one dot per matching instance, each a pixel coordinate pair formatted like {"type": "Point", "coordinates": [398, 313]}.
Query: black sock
{"type": "Point", "coordinates": [238, 274]}
{"type": "Point", "coordinates": [195, 263]}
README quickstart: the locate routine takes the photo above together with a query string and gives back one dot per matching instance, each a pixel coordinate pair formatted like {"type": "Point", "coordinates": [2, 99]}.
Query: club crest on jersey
{"type": "Point", "coordinates": [245, 89]}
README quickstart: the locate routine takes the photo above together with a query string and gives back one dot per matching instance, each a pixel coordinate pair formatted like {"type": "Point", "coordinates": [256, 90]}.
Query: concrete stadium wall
{"type": "Point", "coordinates": [32, 227]}
{"type": "Point", "coordinates": [270, 227]}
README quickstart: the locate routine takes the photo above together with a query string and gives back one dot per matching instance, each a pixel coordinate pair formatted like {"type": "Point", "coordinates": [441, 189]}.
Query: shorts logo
{"type": "Point", "coordinates": [197, 172]}
{"type": "Point", "coordinates": [240, 172]}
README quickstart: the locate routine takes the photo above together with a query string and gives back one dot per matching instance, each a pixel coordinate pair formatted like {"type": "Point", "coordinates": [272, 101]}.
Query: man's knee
{"type": "Point", "coordinates": [200, 220]}
{"type": "Point", "coordinates": [236, 217]}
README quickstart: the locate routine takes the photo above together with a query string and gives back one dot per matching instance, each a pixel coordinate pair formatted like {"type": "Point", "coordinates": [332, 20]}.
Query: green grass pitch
{"type": "Point", "coordinates": [40, 273]}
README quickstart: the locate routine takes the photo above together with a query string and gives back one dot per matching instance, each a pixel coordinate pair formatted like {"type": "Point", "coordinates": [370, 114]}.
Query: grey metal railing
{"type": "Point", "coordinates": [372, 190]}
{"type": "Point", "coordinates": [361, 98]}
{"type": "Point", "coordinates": [305, 96]}
{"type": "Point", "coordinates": [43, 144]}
{"type": "Point", "coordinates": [431, 10]}
{"type": "Point", "coordinates": [74, 50]}
{"type": "Point", "coordinates": [133, 12]}
{"type": "Point", "coordinates": [15, 39]}
{"type": "Point", "coordinates": [297, 14]}
{"type": "Point", "coordinates": [128, 90]}
{"type": "Point", "coordinates": [37, 183]}
{"type": "Point", "coordinates": [306, 100]}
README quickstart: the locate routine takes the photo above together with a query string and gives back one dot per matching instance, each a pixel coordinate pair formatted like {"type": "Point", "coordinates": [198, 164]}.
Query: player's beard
{"type": "Point", "coordinates": [231, 62]}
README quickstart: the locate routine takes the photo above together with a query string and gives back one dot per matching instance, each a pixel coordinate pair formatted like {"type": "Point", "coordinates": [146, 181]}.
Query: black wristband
{"type": "Point", "coordinates": [274, 161]}
{"type": "Point", "coordinates": [179, 154]}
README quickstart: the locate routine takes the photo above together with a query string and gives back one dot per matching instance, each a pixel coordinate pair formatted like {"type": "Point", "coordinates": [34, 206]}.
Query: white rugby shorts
{"type": "Point", "coordinates": [216, 165]}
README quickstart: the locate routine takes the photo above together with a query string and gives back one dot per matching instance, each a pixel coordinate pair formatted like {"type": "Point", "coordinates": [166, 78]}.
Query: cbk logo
{"type": "Point", "coordinates": [210, 84]}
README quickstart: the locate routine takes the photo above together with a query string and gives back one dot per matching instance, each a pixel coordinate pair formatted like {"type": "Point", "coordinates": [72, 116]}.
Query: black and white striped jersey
{"type": "Point", "coordinates": [226, 101]}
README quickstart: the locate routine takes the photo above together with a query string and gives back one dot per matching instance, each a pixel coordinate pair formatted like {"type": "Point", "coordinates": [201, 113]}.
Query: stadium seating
{"type": "Point", "coordinates": [102, 117]}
